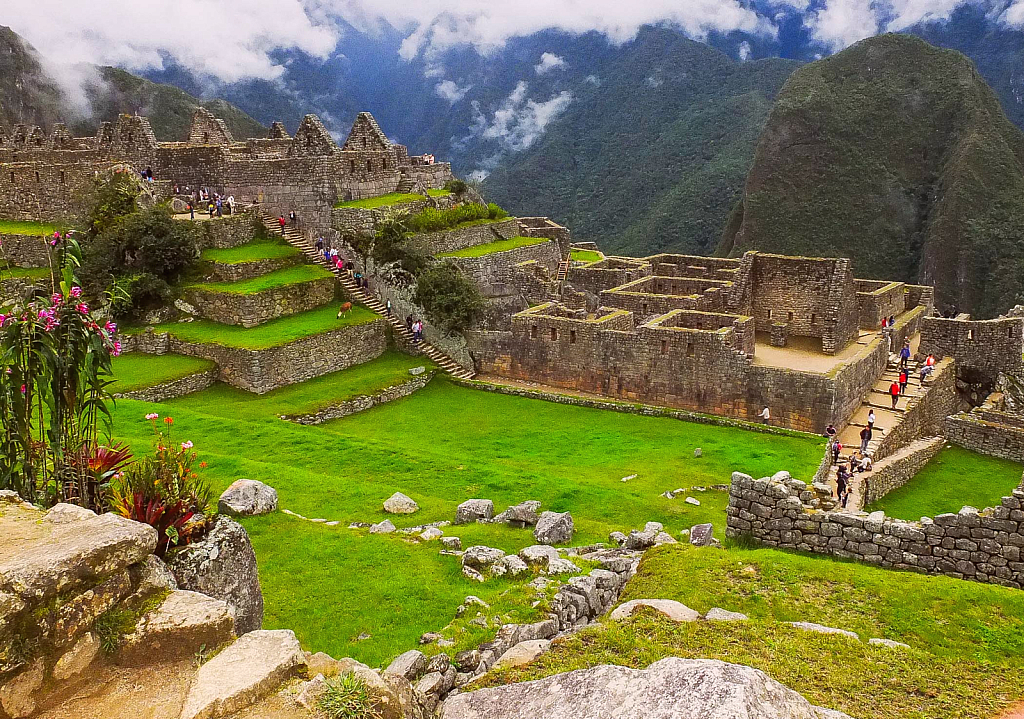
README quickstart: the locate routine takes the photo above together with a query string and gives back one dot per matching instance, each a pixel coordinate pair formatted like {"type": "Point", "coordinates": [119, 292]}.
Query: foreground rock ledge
{"type": "Point", "coordinates": [672, 688]}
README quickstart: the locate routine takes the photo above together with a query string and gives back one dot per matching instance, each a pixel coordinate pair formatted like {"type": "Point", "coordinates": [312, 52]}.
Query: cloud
{"type": "Point", "coordinates": [519, 121]}
{"type": "Point", "coordinates": [842, 22]}
{"type": "Point", "coordinates": [593, 80]}
{"type": "Point", "coordinates": [450, 91]}
{"type": "Point", "coordinates": [744, 51]}
{"type": "Point", "coordinates": [549, 61]}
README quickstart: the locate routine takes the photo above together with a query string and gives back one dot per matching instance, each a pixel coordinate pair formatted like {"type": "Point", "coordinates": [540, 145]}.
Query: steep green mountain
{"type": "Point", "coordinates": [896, 154]}
{"type": "Point", "coordinates": [29, 95]}
{"type": "Point", "coordinates": [652, 156]}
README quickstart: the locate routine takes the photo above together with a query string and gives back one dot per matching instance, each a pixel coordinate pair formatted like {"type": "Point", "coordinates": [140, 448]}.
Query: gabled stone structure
{"type": "Point", "coordinates": [208, 130]}
{"type": "Point", "coordinates": [312, 139]}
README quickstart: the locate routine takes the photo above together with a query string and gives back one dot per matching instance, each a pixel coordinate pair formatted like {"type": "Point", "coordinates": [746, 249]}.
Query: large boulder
{"type": "Point", "coordinates": [247, 498]}
{"type": "Point", "coordinates": [223, 566]}
{"type": "Point", "coordinates": [473, 509]}
{"type": "Point", "coordinates": [243, 673]}
{"type": "Point", "coordinates": [480, 557]}
{"type": "Point", "coordinates": [180, 626]}
{"type": "Point", "coordinates": [669, 608]}
{"type": "Point", "coordinates": [672, 688]}
{"type": "Point", "coordinates": [399, 503]}
{"type": "Point", "coordinates": [554, 528]}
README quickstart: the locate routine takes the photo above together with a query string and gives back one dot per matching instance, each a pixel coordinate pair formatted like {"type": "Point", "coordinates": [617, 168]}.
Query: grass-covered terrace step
{"type": "Point", "coordinates": [274, 280]}
{"type": "Point", "coordinates": [249, 261]}
{"type": "Point", "coordinates": [24, 273]}
{"type": "Point", "coordinates": [490, 248]}
{"type": "Point", "coordinates": [135, 371]}
{"type": "Point", "coordinates": [27, 227]}
{"type": "Point", "coordinates": [392, 198]}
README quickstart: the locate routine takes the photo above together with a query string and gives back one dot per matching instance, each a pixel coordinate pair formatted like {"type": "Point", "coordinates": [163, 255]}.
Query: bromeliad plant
{"type": "Point", "coordinates": [55, 366]}
{"type": "Point", "coordinates": [163, 490]}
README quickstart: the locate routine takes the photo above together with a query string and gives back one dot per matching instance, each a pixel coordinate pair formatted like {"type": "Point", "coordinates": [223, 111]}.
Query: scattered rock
{"type": "Point", "coordinates": [697, 452]}
{"type": "Point", "coordinates": [399, 503]}
{"type": "Point", "coordinates": [244, 672]}
{"type": "Point", "coordinates": [472, 574]}
{"type": "Point", "coordinates": [151, 575]}
{"type": "Point", "coordinates": [672, 688]}
{"type": "Point", "coordinates": [64, 513]}
{"type": "Point", "coordinates": [668, 495]}
{"type": "Point", "coordinates": [385, 527]}
{"type": "Point", "coordinates": [674, 610]}
{"type": "Point", "coordinates": [812, 627]}
{"type": "Point", "coordinates": [554, 528]}
{"type": "Point", "coordinates": [557, 565]}
{"type": "Point", "coordinates": [514, 565]}
{"type": "Point", "coordinates": [538, 554]}
{"type": "Point", "coordinates": [522, 653]}
{"type": "Point", "coordinates": [875, 641]}
{"type": "Point", "coordinates": [521, 515]}
{"type": "Point", "coordinates": [453, 544]}
{"type": "Point", "coordinates": [468, 660]}
{"type": "Point", "coordinates": [439, 663]}
{"type": "Point", "coordinates": [617, 538]}
{"type": "Point", "coordinates": [309, 695]}
{"type": "Point", "coordinates": [417, 370]}
{"type": "Point", "coordinates": [223, 566]}
{"type": "Point", "coordinates": [184, 623]}
{"type": "Point", "coordinates": [721, 615]}
{"type": "Point", "coordinates": [640, 540]}
{"type": "Point", "coordinates": [78, 658]}
{"type": "Point", "coordinates": [353, 525]}
{"type": "Point", "coordinates": [409, 665]}
{"type": "Point", "coordinates": [16, 693]}
{"type": "Point", "coordinates": [702, 534]}
{"type": "Point", "coordinates": [321, 663]}
{"type": "Point", "coordinates": [474, 509]}
{"type": "Point", "coordinates": [429, 637]}
{"type": "Point", "coordinates": [481, 557]}
{"type": "Point", "coordinates": [691, 500]}
{"type": "Point", "coordinates": [626, 479]}
{"type": "Point", "coordinates": [431, 533]}
{"type": "Point", "coordinates": [664, 538]}
{"type": "Point", "coordinates": [654, 527]}
{"type": "Point", "coordinates": [247, 498]}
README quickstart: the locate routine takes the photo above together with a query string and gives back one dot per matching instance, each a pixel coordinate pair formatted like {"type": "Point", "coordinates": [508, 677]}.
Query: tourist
{"type": "Point", "coordinates": [903, 381]}
{"type": "Point", "coordinates": [220, 206]}
{"type": "Point", "coordinates": [837, 450]}
{"type": "Point", "coordinates": [319, 244]}
{"type": "Point", "coordinates": [865, 437]}
{"type": "Point", "coordinates": [765, 415]}
{"type": "Point", "coordinates": [366, 283]}
{"type": "Point", "coordinates": [929, 361]}
{"type": "Point", "coordinates": [293, 218]}
{"type": "Point", "coordinates": [408, 322]}
{"type": "Point", "coordinates": [841, 482]}
{"type": "Point", "coordinates": [211, 208]}
{"type": "Point", "coordinates": [905, 355]}
{"type": "Point", "coordinates": [865, 463]}
{"type": "Point", "coordinates": [417, 330]}
{"type": "Point", "coordinates": [925, 371]}
{"type": "Point", "coordinates": [281, 222]}
{"type": "Point", "coordinates": [846, 496]}
{"type": "Point", "coordinates": [885, 322]}
{"type": "Point", "coordinates": [830, 432]}
{"type": "Point", "coordinates": [231, 204]}
{"type": "Point", "coordinates": [894, 392]}
{"type": "Point", "coordinates": [871, 419]}
{"type": "Point", "coordinates": [892, 320]}
{"type": "Point", "coordinates": [359, 279]}
{"type": "Point", "coordinates": [191, 211]}
{"type": "Point", "coordinates": [387, 307]}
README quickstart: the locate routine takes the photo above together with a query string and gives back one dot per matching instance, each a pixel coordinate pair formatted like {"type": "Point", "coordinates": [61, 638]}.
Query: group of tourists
{"type": "Point", "coordinates": [856, 463]}
{"type": "Point", "coordinates": [215, 204]}
{"type": "Point", "coordinates": [414, 326]}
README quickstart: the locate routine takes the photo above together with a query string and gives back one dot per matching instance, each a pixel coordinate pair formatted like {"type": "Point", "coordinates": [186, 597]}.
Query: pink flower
{"type": "Point", "coordinates": [186, 445]}
{"type": "Point", "coordinates": [152, 415]}
{"type": "Point", "coordinates": [76, 292]}
{"type": "Point", "coordinates": [83, 308]}
{"type": "Point", "coordinates": [56, 235]}
{"type": "Point", "coordinates": [110, 327]}
{"type": "Point", "coordinates": [53, 243]}
{"type": "Point", "coordinates": [23, 389]}
{"type": "Point", "coordinates": [56, 298]}
{"type": "Point", "coordinates": [116, 352]}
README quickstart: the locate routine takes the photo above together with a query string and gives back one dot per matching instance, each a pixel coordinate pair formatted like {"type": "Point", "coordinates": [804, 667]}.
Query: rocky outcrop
{"type": "Point", "coordinates": [668, 608]}
{"type": "Point", "coordinates": [243, 673]}
{"type": "Point", "coordinates": [247, 498]}
{"type": "Point", "coordinates": [554, 528]}
{"type": "Point", "coordinates": [223, 566]}
{"type": "Point", "coordinates": [672, 688]}
{"type": "Point", "coordinates": [183, 624]}
{"type": "Point", "coordinates": [474, 509]}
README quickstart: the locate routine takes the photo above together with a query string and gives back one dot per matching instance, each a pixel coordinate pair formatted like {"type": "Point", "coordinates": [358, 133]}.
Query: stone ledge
{"type": "Point", "coordinates": [250, 310]}
{"type": "Point", "coordinates": [175, 388]}
{"type": "Point", "coordinates": [362, 402]}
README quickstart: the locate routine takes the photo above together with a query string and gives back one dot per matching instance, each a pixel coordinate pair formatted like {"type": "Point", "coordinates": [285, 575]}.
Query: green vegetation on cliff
{"type": "Point", "coordinates": [653, 157]}
{"type": "Point", "coordinates": [898, 155]}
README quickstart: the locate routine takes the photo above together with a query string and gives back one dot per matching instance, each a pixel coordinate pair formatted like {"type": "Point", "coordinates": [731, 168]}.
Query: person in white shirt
{"type": "Point", "coordinates": [765, 415]}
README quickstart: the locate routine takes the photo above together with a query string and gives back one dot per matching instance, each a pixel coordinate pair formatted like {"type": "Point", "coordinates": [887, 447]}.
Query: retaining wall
{"type": "Point", "coordinates": [459, 238]}
{"type": "Point", "coordinates": [926, 414]}
{"type": "Point", "coordinates": [996, 434]}
{"type": "Point", "coordinates": [175, 388]}
{"type": "Point", "coordinates": [895, 471]}
{"type": "Point", "coordinates": [364, 402]}
{"type": "Point", "coordinates": [250, 310]}
{"type": "Point", "coordinates": [224, 272]}
{"type": "Point", "coordinates": [25, 250]}
{"type": "Point", "coordinates": [983, 546]}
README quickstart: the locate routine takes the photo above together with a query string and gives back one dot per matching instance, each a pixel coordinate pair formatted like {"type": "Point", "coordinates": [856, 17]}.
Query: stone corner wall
{"type": "Point", "coordinates": [175, 388]}
{"type": "Point", "coordinates": [894, 472]}
{"type": "Point", "coordinates": [250, 310]}
{"type": "Point", "coordinates": [780, 511]}
{"type": "Point", "coordinates": [460, 238]}
{"type": "Point", "coordinates": [997, 434]}
{"type": "Point", "coordinates": [926, 414]}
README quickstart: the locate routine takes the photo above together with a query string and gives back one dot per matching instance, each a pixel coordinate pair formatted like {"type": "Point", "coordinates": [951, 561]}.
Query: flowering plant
{"type": "Point", "coordinates": [163, 490]}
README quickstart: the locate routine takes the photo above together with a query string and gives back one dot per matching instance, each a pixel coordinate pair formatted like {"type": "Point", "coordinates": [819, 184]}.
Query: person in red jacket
{"type": "Point", "coordinates": [282, 222]}
{"type": "Point", "coordinates": [894, 392]}
{"type": "Point", "coordinates": [903, 381]}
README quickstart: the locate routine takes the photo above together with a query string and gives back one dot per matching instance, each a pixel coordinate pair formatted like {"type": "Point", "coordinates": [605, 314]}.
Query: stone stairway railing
{"type": "Point", "coordinates": [296, 239]}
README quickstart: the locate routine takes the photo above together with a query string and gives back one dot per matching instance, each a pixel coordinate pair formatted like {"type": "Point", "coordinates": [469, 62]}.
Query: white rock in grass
{"type": "Point", "coordinates": [385, 527]}
{"type": "Point", "coordinates": [821, 629]}
{"type": "Point", "coordinates": [722, 615]}
{"type": "Point", "coordinates": [431, 533]}
{"type": "Point", "coordinates": [399, 503]}
{"type": "Point", "coordinates": [875, 641]}
{"type": "Point", "coordinates": [691, 500]}
{"type": "Point", "coordinates": [676, 611]}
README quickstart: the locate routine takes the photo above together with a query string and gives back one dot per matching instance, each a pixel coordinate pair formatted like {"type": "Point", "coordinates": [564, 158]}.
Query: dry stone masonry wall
{"type": "Point", "coordinates": [175, 388]}
{"type": "Point", "coordinates": [250, 310]}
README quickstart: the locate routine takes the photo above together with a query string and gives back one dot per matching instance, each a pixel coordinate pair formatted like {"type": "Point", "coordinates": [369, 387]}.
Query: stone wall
{"type": "Point", "coordinates": [227, 231]}
{"type": "Point", "coordinates": [225, 272]}
{"type": "Point", "coordinates": [712, 268]}
{"type": "Point", "coordinates": [652, 296]}
{"type": "Point", "coordinates": [493, 273]}
{"type": "Point", "coordinates": [250, 310]}
{"type": "Point", "coordinates": [878, 299]}
{"type": "Point", "coordinates": [25, 250]}
{"type": "Point", "coordinates": [987, 431]}
{"type": "Point", "coordinates": [926, 413]}
{"type": "Point", "coordinates": [983, 546]}
{"type": "Point", "coordinates": [363, 402]}
{"type": "Point", "coordinates": [988, 347]}
{"type": "Point", "coordinates": [460, 238]}
{"type": "Point", "coordinates": [261, 371]}
{"type": "Point", "coordinates": [894, 472]}
{"type": "Point", "coordinates": [357, 220]}
{"type": "Point", "coordinates": [175, 388]}
{"type": "Point", "coordinates": [607, 273]}
{"type": "Point", "coordinates": [546, 227]}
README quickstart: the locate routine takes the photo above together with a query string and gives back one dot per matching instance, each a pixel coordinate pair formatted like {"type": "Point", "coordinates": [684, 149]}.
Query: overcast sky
{"type": "Point", "coordinates": [232, 39]}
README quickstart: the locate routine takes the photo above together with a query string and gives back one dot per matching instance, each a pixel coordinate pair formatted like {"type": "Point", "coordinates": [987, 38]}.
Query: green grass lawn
{"type": "Point", "coordinates": [251, 252]}
{"type": "Point", "coordinates": [497, 246]}
{"type": "Point", "coordinates": [24, 227]}
{"type": "Point", "coordinates": [272, 280]}
{"type": "Point", "coordinates": [394, 198]}
{"type": "Point", "coordinates": [274, 333]}
{"type": "Point", "coordinates": [586, 255]}
{"type": "Point", "coordinates": [136, 371]}
{"type": "Point", "coordinates": [388, 370]}
{"type": "Point", "coordinates": [438, 193]}
{"type": "Point", "coordinates": [955, 477]}
{"type": "Point", "coordinates": [966, 638]}
{"type": "Point", "coordinates": [441, 446]}
{"type": "Point", "coordinates": [28, 273]}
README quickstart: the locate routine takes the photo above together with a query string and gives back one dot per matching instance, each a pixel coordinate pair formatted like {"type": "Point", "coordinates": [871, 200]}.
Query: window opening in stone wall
{"type": "Point", "coordinates": [769, 314]}
{"type": "Point", "coordinates": [619, 383]}
{"type": "Point", "coordinates": [554, 334]}
{"type": "Point", "coordinates": [129, 136]}
{"type": "Point", "coordinates": [643, 308]}
{"type": "Point", "coordinates": [63, 179]}
{"type": "Point", "coordinates": [384, 164]}
{"type": "Point", "coordinates": [970, 334]}
{"type": "Point", "coordinates": [12, 175]}
{"type": "Point", "coordinates": [689, 349]}
{"type": "Point", "coordinates": [572, 337]}
{"type": "Point", "coordinates": [206, 138]}
{"type": "Point", "coordinates": [789, 317]}
{"type": "Point", "coordinates": [533, 332]}
{"type": "Point", "coordinates": [369, 166]}
{"type": "Point", "coordinates": [364, 143]}
{"type": "Point", "coordinates": [352, 166]}
{"type": "Point", "coordinates": [814, 318]}
{"type": "Point", "coordinates": [1010, 333]}
{"type": "Point", "coordinates": [664, 347]}
{"type": "Point", "coordinates": [37, 175]}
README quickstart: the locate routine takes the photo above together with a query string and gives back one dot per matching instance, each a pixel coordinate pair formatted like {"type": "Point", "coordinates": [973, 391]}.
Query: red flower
{"type": "Point", "coordinates": [202, 465]}
{"type": "Point", "coordinates": [168, 420]}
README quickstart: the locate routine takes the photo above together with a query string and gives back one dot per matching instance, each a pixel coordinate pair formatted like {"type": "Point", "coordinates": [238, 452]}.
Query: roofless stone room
{"type": "Point", "coordinates": [637, 363]}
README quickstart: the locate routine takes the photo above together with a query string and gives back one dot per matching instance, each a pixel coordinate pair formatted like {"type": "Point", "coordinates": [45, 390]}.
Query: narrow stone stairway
{"type": "Point", "coordinates": [296, 239]}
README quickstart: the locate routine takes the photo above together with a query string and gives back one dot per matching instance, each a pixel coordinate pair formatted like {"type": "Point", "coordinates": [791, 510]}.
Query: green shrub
{"type": "Point", "coordinates": [134, 295]}
{"type": "Point", "coordinates": [495, 213]}
{"type": "Point", "coordinates": [455, 186]}
{"type": "Point", "coordinates": [451, 300]}
{"type": "Point", "coordinates": [434, 220]}
{"type": "Point", "coordinates": [348, 697]}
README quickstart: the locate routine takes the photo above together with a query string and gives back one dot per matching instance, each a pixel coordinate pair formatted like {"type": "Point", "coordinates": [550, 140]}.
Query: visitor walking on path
{"type": "Point", "coordinates": [830, 432]}
{"type": "Point", "coordinates": [903, 381]}
{"type": "Point", "coordinates": [894, 392]}
{"type": "Point", "coordinates": [387, 307]}
{"type": "Point", "coordinates": [925, 371]}
{"type": "Point", "coordinates": [408, 322]}
{"type": "Point", "coordinates": [765, 415]}
{"type": "Point", "coordinates": [905, 355]}
{"type": "Point", "coordinates": [293, 218]}
{"type": "Point", "coordinates": [841, 484]}
{"type": "Point", "coordinates": [281, 222]}
{"type": "Point", "coordinates": [837, 450]}
{"type": "Point", "coordinates": [865, 437]}
{"type": "Point", "coordinates": [191, 211]}
{"type": "Point", "coordinates": [871, 419]}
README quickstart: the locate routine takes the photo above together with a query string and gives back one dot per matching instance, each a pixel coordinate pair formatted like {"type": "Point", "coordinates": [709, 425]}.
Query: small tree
{"type": "Point", "coordinates": [450, 299]}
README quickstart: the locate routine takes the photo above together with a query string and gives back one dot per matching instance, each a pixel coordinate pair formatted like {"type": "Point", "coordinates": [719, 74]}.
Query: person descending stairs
{"type": "Point", "coordinates": [295, 238]}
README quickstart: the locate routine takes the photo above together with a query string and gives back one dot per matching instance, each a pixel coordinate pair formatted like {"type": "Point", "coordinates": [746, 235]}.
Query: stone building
{"type": "Point", "coordinates": [48, 177]}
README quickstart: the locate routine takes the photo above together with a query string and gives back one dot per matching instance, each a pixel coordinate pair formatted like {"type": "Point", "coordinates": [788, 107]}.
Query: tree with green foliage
{"type": "Point", "coordinates": [450, 299]}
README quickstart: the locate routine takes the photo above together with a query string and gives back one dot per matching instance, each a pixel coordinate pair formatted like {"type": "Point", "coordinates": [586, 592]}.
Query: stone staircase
{"type": "Point", "coordinates": [296, 239]}
{"type": "Point", "coordinates": [405, 184]}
